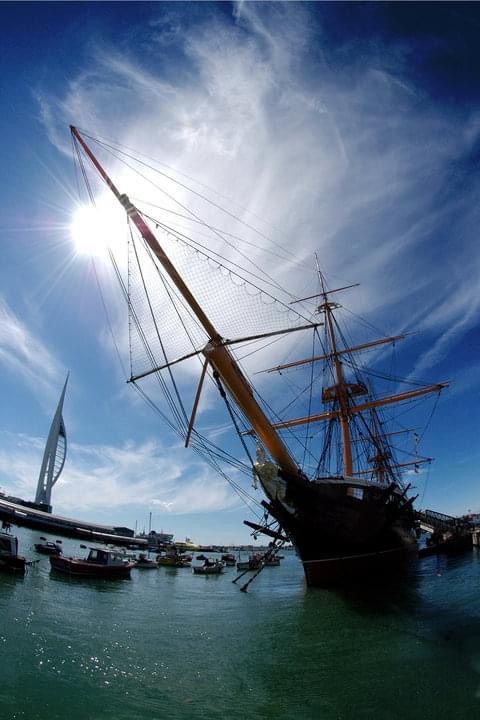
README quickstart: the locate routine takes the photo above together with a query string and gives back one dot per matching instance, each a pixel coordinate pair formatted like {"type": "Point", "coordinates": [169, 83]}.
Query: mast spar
{"type": "Point", "coordinates": [340, 390]}
{"type": "Point", "coordinates": [216, 353]}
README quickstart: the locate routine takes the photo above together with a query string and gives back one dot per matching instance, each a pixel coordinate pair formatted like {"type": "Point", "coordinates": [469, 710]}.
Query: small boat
{"type": "Point", "coordinates": [98, 564]}
{"type": "Point", "coordinates": [271, 562]}
{"type": "Point", "coordinates": [145, 563]}
{"type": "Point", "coordinates": [48, 548]}
{"type": "Point", "coordinates": [446, 543]}
{"type": "Point", "coordinates": [10, 560]}
{"type": "Point", "coordinates": [254, 562]}
{"type": "Point", "coordinates": [172, 558]}
{"type": "Point", "coordinates": [228, 559]}
{"type": "Point", "coordinates": [168, 560]}
{"type": "Point", "coordinates": [209, 567]}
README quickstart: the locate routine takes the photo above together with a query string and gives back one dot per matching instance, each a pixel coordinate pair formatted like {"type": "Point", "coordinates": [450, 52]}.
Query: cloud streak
{"type": "Point", "coordinates": [24, 355]}
{"type": "Point", "coordinates": [106, 478]}
{"type": "Point", "coordinates": [335, 147]}
{"type": "Point", "coordinates": [346, 161]}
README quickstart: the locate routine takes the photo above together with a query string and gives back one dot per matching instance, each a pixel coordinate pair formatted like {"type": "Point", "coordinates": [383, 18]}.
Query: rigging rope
{"type": "Point", "coordinates": [110, 148]}
{"type": "Point", "coordinates": [207, 450]}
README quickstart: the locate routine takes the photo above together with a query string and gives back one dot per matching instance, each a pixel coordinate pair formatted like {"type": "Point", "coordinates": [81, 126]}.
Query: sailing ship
{"type": "Point", "coordinates": [345, 506]}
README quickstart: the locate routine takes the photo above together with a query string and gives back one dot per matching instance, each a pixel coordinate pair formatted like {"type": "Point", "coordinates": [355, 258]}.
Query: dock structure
{"type": "Point", "coordinates": [448, 534]}
{"type": "Point", "coordinates": [433, 521]}
{"type": "Point", "coordinates": [31, 517]}
{"type": "Point", "coordinates": [37, 514]}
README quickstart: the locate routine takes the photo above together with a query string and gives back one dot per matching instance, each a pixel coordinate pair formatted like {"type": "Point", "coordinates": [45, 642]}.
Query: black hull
{"type": "Point", "coordinates": [347, 569]}
{"type": "Point", "coordinates": [14, 564]}
{"type": "Point", "coordinates": [344, 538]}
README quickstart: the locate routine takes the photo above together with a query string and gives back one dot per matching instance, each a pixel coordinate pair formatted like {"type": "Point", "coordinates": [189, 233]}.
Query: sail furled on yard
{"type": "Point", "coordinates": [54, 455]}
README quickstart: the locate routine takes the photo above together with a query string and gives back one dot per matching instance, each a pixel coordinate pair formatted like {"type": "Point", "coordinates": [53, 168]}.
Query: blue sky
{"type": "Point", "coordinates": [351, 130]}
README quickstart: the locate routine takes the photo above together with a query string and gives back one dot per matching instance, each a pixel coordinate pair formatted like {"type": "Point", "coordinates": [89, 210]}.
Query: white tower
{"type": "Point", "coordinates": [54, 455]}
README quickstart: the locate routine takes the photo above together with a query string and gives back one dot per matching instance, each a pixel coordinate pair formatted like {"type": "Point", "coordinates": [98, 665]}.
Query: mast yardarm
{"type": "Point", "coordinates": [215, 351]}
{"type": "Point", "coordinates": [354, 409]}
{"type": "Point", "coordinates": [354, 348]}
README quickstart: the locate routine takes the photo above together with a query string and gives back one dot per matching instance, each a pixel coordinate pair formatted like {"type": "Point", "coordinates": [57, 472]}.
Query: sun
{"type": "Point", "coordinates": [97, 228]}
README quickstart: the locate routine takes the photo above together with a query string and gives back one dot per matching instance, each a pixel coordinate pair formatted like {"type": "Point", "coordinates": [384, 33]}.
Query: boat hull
{"type": "Point", "coordinates": [82, 568]}
{"type": "Point", "coordinates": [344, 531]}
{"type": "Point", "coordinates": [213, 570]}
{"type": "Point", "coordinates": [45, 549]}
{"type": "Point", "coordinates": [13, 564]}
{"type": "Point", "coordinates": [173, 562]}
{"type": "Point", "coordinates": [251, 564]}
{"type": "Point", "coordinates": [346, 569]}
{"type": "Point", "coordinates": [452, 546]}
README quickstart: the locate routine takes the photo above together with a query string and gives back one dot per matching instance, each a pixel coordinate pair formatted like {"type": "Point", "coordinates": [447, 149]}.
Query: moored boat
{"type": "Point", "coordinates": [271, 562]}
{"type": "Point", "coordinates": [99, 563]}
{"type": "Point", "coordinates": [209, 567]}
{"type": "Point", "coordinates": [446, 543]}
{"type": "Point", "coordinates": [143, 562]}
{"type": "Point", "coordinates": [254, 562]}
{"type": "Point", "coordinates": [172, 558]}
{"type": "Point", "coordinates": [48, 548]}
{"type": "Point", "coordinates": [10, 560]}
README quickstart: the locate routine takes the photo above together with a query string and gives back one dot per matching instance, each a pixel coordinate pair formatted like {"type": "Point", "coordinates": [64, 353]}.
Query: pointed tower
{"type": "Point", "coordinates": [53, 457]}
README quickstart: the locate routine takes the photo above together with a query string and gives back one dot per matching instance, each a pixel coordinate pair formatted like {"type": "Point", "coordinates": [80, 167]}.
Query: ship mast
{"type": "Point", "coordinates": [342, 394]}
{"type": "Point", "coordinates": [216, 352]}
{"type": "Point", "coordinates": [340, 389]}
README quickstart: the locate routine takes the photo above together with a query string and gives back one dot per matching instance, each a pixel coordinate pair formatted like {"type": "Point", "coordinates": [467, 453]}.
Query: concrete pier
{"type": "Point", "coordinates": [25, 516]}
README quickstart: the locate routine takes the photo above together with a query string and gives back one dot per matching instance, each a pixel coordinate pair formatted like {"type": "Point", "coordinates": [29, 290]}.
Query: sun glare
{"type": "Point", "coordinates": [95, 229]}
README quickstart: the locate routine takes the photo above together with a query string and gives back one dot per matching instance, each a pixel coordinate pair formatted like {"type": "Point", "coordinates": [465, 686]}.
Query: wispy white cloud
{"type": "Point", "coordinates": [108, 478]}
{"type": "Point", "coordinates": [24, 356]}
{"type": "Point", "coordinates": [350, 160]}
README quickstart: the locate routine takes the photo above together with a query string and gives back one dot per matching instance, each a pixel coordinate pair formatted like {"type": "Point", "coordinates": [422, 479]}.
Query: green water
{"type": "Point", "coordinates": [170, 644]}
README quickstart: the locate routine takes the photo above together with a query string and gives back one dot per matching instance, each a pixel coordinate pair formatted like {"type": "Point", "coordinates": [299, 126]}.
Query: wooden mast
{"type": "Point", "coordinates": [354, 409]}
{"type": "Point", "coordinates": [215, 351]}
{"type": "Point", "coordinates": [340, 389]}
{"type": "Point", "coordinates": [317, 358]}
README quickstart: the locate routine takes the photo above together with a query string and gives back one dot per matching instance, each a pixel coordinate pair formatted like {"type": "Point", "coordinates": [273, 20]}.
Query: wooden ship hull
{"type": "Point", "coordinates": [341, 529]}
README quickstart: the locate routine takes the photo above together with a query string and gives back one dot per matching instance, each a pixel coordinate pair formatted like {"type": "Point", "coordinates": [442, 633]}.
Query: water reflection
{"type": "Point", "coordinates": [382, 596]}
{"type": "Point", "coordinates": [408, 647]}
{"type": "Point", "coordinates": [98, 584]}
{"type": "Point", "coordinates": [9, 581]}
